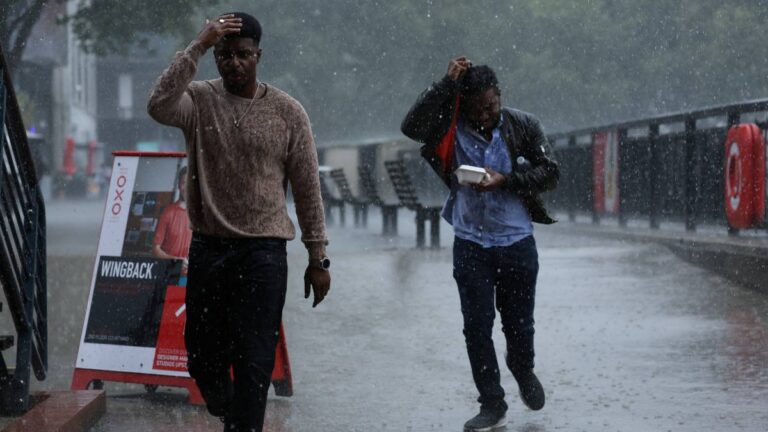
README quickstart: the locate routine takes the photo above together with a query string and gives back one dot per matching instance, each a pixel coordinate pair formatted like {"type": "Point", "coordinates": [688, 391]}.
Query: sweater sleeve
{"type": "Point", "coordinates": [302, 171]}
{"type": "Point", "coordinates": [170, 102]}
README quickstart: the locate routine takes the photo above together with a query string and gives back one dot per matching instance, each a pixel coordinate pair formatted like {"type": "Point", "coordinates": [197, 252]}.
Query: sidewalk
{"type": "Point", "coordinates": [743, 258]}
{"type": "Point", "coordinates": [73, 226]}
{"type": "Point", "coordinates": [629, 338]}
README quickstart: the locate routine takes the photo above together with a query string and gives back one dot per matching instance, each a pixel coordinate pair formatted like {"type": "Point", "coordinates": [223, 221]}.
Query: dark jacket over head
{"type": "Point", "coordinates": [432, 121]}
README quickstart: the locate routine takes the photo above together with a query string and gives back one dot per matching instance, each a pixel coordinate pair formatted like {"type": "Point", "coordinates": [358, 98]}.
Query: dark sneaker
{"type": "Point", "coordinates": [487, 420]}
{"type": "Point", "coordinates": [531, 391]}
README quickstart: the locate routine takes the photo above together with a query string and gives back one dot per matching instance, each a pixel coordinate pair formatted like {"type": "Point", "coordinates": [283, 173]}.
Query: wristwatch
{"type": "Point", "coordinates": [323, 263]}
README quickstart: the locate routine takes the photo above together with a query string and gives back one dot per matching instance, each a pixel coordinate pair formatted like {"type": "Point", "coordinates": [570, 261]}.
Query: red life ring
{"type": "Point", "coordinates": [744, 176]}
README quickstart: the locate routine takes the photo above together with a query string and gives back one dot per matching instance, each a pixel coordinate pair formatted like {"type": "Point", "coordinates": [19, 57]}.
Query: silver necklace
{"type": "Point", "coordinates": [238, 120]}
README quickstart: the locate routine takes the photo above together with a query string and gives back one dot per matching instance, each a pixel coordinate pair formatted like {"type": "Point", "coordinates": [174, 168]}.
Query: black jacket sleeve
{"type": "Point", "coordinates": [543, 173]}
{"type": "Point", "coordinates": [430, 117]}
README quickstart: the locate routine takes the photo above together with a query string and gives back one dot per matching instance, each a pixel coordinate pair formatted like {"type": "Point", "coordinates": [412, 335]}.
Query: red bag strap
{"type": "Point", "coordinates": [444, 150]}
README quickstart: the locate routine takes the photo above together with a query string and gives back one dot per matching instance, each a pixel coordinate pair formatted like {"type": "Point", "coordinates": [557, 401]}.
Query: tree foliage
{"type": "Point", "coordinates": [17, 19]}
{"type": "Point", "coordinates": [357, 65]}
{"type": "Point", "coordinates": [102, 26]}
{"type": "Point", "coordinates": [105, 27]}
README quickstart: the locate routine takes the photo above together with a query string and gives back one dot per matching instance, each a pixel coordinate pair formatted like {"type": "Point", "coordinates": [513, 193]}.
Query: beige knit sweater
{"type": "Point", "coordinates": [238, 176]}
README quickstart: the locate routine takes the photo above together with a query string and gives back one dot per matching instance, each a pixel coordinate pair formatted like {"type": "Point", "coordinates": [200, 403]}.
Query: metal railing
{"type": "Point", "coordinates": [22, 255]}
{"type": "Point", "coordinates": [670, 167]}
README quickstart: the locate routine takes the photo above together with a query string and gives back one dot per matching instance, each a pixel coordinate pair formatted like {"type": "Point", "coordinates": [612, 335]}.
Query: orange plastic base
{"type": "Point", "coordinates": [281, 376]}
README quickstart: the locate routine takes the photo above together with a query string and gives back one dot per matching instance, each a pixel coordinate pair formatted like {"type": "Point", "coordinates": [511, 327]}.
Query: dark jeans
{"type": "Point", "coordinates": [235, 297]}
{"type": "Point", "coordinates": [508, 276]}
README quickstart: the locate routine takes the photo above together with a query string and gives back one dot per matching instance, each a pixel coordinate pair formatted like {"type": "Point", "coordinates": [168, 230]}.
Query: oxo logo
{"type": "Point", "coordinates": [117, 201]}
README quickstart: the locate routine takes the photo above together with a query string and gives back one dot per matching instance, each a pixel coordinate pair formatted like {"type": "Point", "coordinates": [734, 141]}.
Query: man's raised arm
{"type": "Point", "coordinates": [430, 117]}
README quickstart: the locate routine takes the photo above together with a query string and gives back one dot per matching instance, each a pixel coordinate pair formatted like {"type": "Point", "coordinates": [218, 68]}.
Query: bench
{"type": "Point", "coordinates": [410, 198]}
{"type": "Point", "coordinates": [359, 204]}
{"type": "Point", "coordinates": [331, 197]}
{"type": "Point", "coordinates": [369, 187]}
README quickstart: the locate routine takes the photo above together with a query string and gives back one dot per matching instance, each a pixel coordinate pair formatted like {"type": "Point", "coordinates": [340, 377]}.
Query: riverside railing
{"type": "Point", "coordinates": [659, 169]}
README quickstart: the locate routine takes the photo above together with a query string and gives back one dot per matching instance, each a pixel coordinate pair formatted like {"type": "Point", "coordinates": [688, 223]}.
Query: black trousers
{"type": "Point", "coordinates": [506, 276]}
{"type": "Point", "coordinates": [235, 296]}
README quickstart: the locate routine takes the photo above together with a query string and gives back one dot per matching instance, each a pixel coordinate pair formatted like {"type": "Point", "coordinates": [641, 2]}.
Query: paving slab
{"type": "Point", "coordinates": [61, 411]}
{"type": "Point", "coordinates": [742, 258]}
{"type": "Point", "coordinates": [629, 338]}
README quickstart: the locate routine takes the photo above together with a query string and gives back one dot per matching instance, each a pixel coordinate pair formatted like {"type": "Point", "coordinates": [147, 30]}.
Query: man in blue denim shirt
{"type": "Point", "coordinates": [495, 261]}
{"type": "Point", "coordinates": [494, 217]}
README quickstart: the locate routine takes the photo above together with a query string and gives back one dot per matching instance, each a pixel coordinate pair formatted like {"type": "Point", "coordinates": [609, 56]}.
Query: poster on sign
{"type": "Point", "coordinates": [135, 314]}
{"type": "Point", "coordinates": [605, 164]}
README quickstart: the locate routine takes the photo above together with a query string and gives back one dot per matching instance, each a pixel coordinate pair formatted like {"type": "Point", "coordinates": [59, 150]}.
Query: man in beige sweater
{"type": "Point", "coordinates": [245, 141]}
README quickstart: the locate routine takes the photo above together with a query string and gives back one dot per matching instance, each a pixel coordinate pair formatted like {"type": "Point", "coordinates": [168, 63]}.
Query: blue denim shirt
{"type": "Point", "coordinates": [494, 218]}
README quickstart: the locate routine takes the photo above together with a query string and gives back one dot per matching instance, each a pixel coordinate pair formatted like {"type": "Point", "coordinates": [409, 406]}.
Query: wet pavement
{"type": "Point", "coordinates": [628, 338]}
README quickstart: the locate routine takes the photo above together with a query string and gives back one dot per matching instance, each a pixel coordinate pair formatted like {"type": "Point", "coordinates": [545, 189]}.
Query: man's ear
{"type": "Point", "coordinates": [258, 55]}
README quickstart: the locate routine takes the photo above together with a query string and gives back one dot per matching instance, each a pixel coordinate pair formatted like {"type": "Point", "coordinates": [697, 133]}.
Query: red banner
{"type": "Point", "coordinates": [605, 172]}
{"type": "Point", "coordinates": [171, 353]}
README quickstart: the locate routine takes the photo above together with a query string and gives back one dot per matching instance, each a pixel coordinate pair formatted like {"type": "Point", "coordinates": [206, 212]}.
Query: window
{"type": "Point", "coordinates": [125, 96]}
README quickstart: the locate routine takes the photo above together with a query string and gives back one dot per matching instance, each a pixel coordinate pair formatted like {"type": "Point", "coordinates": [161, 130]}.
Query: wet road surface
{"type": "Point", "coordinates": [628, 338]}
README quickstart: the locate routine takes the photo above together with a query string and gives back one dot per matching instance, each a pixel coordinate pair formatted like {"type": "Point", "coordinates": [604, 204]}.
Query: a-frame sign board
{"type": "Point", "coordinates": [134, 319]}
